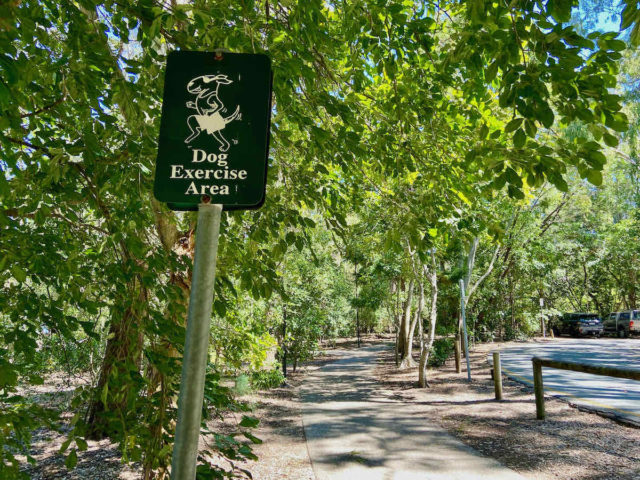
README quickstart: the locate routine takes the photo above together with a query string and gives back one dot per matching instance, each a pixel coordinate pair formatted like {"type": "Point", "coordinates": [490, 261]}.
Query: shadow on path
{"type": "Point", "coordinates": [355, 430]}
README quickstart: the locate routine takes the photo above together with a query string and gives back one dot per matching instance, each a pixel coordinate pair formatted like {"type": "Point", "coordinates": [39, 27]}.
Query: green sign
{"type": "Point", "coordinates": [214, 131]}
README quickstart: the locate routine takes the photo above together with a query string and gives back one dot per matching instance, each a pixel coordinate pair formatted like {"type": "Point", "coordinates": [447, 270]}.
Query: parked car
{"type": "Point", "coordinates": [578, 324]}
{"type": "Point", "coordinates": [623, 323]}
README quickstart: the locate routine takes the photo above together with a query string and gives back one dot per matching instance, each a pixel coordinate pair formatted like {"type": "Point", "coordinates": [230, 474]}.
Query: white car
{"type": "Point", "coordinates": [623, 323]}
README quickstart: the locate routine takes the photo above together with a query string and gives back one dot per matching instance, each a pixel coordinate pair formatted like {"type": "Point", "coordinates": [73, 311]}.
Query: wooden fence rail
{"type": "Point", "coordinates": [538, 386]}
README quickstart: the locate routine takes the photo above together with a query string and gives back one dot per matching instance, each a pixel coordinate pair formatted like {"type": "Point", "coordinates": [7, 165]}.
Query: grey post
{"type": "Point", "coordinates": [196, 345]}
{"type": "Point", "coordinates": [538, 388]}
{"type": "Point", "coordinates": [497, 375]}
{"type": "Point", "coordinates": [464, 328]}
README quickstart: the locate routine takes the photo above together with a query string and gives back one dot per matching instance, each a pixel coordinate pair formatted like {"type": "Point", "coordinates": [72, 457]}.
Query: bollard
{"type": "Point", "coordinates": [497, 375]}
{"type": "Point", "coordinates": [457, 347]}
{"type": "Point", "coordinates": [538, 387]}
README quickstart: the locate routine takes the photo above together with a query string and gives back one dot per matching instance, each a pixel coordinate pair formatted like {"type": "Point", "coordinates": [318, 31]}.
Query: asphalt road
{"type": "Point", "coordinates": [610, 395]}
{"type": "Point", "coordinates": [357, 431]}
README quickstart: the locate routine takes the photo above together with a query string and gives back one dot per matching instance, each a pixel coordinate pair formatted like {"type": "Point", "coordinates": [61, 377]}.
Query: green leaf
{"type": "Point", "coordinates": [252, 438]}
{"type": "Point", "coordinates": [36, 380]}
{"type": "Point", "coordinates": [610, 140]}
{"type": "Point", "coordinates": [249, 422]}
{"type": "Point", "coordinates": [634, 36]}
{"type": "Point", "coordinates": [476, 9]}
{"type": "Point", "coordinates": [596, 158]}
{"type": "Point", "coordinates": [560, 10]}
{"type": "Point", "coordinates": [72, 460]}
{"type": "Point", "coordinates": [513, 177]}
{"type": "Point", "coordinates": [559, 182]}
{"type": "Point", "coordinates": [104, 394]}
{"type": "Point", "coordinates": [220, 308]}
{"type": "Point", "coordinates": [629, 15]}
{"type": "Point", "coordinates": [545, 115]}
{"type": "Point", "coordinates": [65, 445]}
{"type": "Point", "coordinates": [18, 273]}
{"type": "Point", "coordinates": [515, 192]}
{"type": "Point", "coordinates": [245, 450]}
{"type": "Point", "coordinates": [595, 177]}
{"type": "Point", "coordinates": [462, 197]}
{"type": "Point", "coordinates": [500, 181]}
{"type": "Point", "coordinates": [519, 138]}
{"type": "Point", "coordinates": [164, 451]}
{"type": "Point", "coordinates": [616, 45]}
{"type": "Point", "coordinates": [81, 443]}
{"type": "Point", "coordinates": [513, 124]}
{"type": "Point", "coordinates": [491, 72]}
{"type": "Point", "coordinates": [617, 121]}
{"type": "Point", "coordinates": [530, 128]}
{"type": "Point", "coordinates": [8, 66]}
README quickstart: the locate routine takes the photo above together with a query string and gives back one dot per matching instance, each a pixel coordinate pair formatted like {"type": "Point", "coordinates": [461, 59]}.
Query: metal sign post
{"type": "Point", "coordinates": [544, 329]}
{"type": "Point", "coordinates": [212, 153]}
{"type": "Point", "coordinates": [464, 328]}
{"type": "Point", "coordinates": [196, 346]}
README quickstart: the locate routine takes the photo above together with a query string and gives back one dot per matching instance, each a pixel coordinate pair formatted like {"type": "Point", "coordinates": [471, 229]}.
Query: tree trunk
{"type": "Point", "coordinates": [114, 392]}
{"type": "Point", "coordinates": [407, 356]}
{"type": "Point", "coordinates": [420, 322]}
{"type": "Point", "coordinates": [396, 321]}
{"type": "Point", "coordinates": [468, 287]}
{"type": "Point", "coordinates": [433, 316]}
{"type": "Point", "coordinates": [405, 320]}
{"type": "Point", "coordinates": [164, 387]}
{"type": "Point", "coordinates": [357, 306]}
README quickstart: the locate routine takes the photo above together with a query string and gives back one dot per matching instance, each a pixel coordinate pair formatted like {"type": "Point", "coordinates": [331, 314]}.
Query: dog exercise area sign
{"type": "Point", "coordinates": [214, 131]}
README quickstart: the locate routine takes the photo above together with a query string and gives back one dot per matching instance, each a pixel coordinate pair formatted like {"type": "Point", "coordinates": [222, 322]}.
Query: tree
{"type": "Point", "coordinates": [406, 113]}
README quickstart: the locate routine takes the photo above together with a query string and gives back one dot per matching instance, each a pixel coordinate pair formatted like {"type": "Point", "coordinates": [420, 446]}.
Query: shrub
{"type": "Point", "coordinates": [440, 351]}
{"type": "Point", "coordinates": [242, 384]}
{"type": "Point", "coordinates": [266, 379]}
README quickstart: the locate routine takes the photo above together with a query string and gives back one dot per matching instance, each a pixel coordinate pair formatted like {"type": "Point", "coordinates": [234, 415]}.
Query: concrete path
{"type": "Point", "coordinates": [615, 396]}
{"type": "Point", "coordinates": [354, 431]}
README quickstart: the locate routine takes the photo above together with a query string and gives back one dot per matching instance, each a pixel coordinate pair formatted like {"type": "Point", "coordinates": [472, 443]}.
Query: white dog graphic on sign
{"type": "Point", "coordinates": [210, 109]}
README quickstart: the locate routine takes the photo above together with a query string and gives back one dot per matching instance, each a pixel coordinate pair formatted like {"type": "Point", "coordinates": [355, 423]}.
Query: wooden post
{"type": "Point", "coordinates": [457, 346]}
{"type": "Point", "coordinates": [497, 375]}
{"type": "Point", "coordinates": [538, 387]}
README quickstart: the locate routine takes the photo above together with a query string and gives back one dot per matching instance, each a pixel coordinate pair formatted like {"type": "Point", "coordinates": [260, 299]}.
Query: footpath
{"type": "Point", "coordinates": [355, 430]}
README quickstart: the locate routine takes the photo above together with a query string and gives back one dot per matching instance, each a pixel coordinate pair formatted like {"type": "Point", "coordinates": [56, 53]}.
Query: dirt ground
{"type": "Point", "coordinates": [101, 460]}
{"type": "Point", "coordinates": [569, 445]}
{"type": "Point", "coordinates": [283, 453]}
